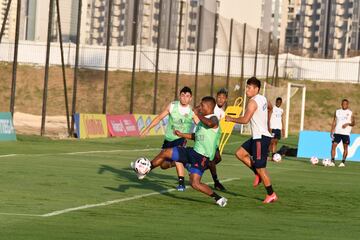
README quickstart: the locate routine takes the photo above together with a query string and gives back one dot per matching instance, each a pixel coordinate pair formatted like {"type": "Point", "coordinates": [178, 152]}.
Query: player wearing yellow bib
{"type": "Point", "coordinates": [206, 139]}
{"type": "Point", "coordinates": [180, 118]}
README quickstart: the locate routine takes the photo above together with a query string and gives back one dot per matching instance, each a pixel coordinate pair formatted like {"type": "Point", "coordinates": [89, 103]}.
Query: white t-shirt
{"type": "Point", "coordinates": [219, 112]}
{"type": "Point", "coordinates": [259, 121]}
{"type": "Point", "coordinates": [342, 117]}
{"type": "Point", "coordinates": [276, 117]}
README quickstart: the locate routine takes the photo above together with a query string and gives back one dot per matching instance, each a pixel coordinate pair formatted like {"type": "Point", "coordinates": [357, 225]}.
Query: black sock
{"type": "Point", "coordinates": [215, 196]}
{"type": "Point", "coordinates": [215, 178]}
{"type": "Point", "coordinates": [333, 160]}
{"type": "Point", "coordinates": [343, 161]}
{"type": "Point", "coordinates": [182, 181]}
{"type": "Point", "coordinates": [269, 190]}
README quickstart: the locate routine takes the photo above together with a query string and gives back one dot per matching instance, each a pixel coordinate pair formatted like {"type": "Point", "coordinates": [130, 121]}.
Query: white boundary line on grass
{"type": "Point", "coordinates": [106, 203]}
{"type": "Point", "coordinates": [55, 213]}
{"type": "Point", "coordinates": [75, 153]}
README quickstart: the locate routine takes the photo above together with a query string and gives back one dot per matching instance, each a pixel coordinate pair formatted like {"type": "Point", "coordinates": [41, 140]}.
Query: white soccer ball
{"type": "Point", "coordinates": [314, 160]}
{"type": "Point", "coordinates": [331, 164]}
{"type": "Point", "coordinates": [142, 165]}
{"type": "Point", "coordinates": [326, 162]}
{"type": "Point", "coordinates": [277, 157]}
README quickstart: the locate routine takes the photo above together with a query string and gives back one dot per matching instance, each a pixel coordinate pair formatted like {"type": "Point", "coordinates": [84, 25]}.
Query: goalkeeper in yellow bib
{"type": "Point", "coordinates": [180, 118]}
{"type": "Point", "coordinates": [206, 139]}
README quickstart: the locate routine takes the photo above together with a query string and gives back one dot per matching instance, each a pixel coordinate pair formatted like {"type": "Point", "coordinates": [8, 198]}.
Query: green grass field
{"type": "Point", "coordinates": [70, 189]}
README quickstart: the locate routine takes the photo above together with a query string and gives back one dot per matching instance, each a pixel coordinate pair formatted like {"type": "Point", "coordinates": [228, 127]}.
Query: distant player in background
{"type": "Point", "coordinates": [219, 111]}
{"type": "Point", "coordinates": [341, 129]}
{"type": "Point", "coordinates": [276, 125]}
{"type": "Point", "coordinates": [254, 152]}
{"type": "Point", "coordinates": [206, 140]}
{"type": "Point", "coordinates": [180, 118]}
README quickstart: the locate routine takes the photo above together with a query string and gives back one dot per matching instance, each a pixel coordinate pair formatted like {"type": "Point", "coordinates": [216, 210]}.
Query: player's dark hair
{"type": "Point", "coordinates": [222, 91]}
{"type": "Point", "coordinates": [254, 81]}
{"type": "Point", "coordinates": [186, 90]}
{"type": "Point", "coordinates": [345, 100]}
{"type": "Point", "coordinates": [210, 100]}
{"type": "Point", "coordinates": [279, 98]}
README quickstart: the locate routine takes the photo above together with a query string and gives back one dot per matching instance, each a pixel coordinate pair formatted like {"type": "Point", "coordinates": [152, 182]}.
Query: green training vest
{"type": "Point", "coordinates": [206, 140]}
{"type": "Point", "coordinates": [177, 121]}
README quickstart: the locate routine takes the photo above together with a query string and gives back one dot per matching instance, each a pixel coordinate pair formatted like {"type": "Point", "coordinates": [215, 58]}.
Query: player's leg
{"type": "Point", "coordinates": [346, 142]}
{"type": "Point", "coordinates": [212, 168]}
{"type": "Point", "coordinates": [260, 147]}
{"type": "Point", "coordinates": [181, 176]}
{"type": "Point", "coordinates": [337, 139]}
{"type": "Point", "coordinates": [243, 154]}
{"type": "Point", "coordinates": [165, 154]}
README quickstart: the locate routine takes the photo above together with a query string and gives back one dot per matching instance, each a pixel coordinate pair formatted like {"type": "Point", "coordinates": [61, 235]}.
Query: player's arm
{"type": "Point", "coordinates": [283, 125]}
{"type": "Point", "coordinates": [156, 121]}
{"type": "Point", "coordinates": [195, 117]}
{"type": "Point", "coordinates": [212, 122]}
{"type": "Point", "coordinates": [333, 124]}
{"type": "Point", "coordinates": [190, 136]}
{"type": "Point", "coordinates": [270, 109]}
{"type": "Point", "coordinates": [351, 124]}
{"type": "Point", "coordinates": [250, 110]}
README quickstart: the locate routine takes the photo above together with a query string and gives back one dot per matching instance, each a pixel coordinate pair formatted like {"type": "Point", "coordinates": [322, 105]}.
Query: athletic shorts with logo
{"type": "Point", "coordinates": [258, 149]}
{"type": "Point", "coordinates": [196, 162]}
{"type": "Point", "coordinates": [340, 137]}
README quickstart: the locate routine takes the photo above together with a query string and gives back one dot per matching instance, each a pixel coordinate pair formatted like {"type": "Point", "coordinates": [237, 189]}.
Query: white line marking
{"type": "Point", "coordinates": [74, 153]}
{"type": "Point", "coordinates": [55, 213]}
{"type": "Point", "coordinates": [21, 214]}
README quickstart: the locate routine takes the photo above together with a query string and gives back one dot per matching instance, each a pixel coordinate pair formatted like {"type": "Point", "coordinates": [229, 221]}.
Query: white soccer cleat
{"type": "Point", "coordinates": [331, 164]}
{"type": "Point", "coordinates": [222, 202]}
{"type": "Point", "coordinates": [342, 165]}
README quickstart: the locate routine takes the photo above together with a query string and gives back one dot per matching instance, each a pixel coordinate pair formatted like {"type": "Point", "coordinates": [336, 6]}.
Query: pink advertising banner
{"type": "Point", "coordinates": [122, 125]}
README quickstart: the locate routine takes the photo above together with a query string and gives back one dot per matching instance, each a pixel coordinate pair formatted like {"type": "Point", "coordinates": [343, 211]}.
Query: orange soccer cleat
{"type": "Point", "coordinates": [270, 198]}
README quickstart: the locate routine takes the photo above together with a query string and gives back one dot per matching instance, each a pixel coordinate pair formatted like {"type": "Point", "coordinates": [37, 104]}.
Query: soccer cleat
{"type": "Point", "coordinates": [342, 164]}
{"type": "Point", "coordinates": [257, 180]}
{"type": "Point", "coordinates": [222, 202]}
{"type": "Point", "coordinates": [181, 188]}
{"type": "Point", "coordinates": [331, 164]}
{"type": "Point", "coordinates": [219, 186]}
{"type": "Point", "coordinates": [270, 198]}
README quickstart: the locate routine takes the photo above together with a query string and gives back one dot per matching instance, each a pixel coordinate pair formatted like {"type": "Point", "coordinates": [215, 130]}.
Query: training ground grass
{"type": "Point", "coordinates": [38, 177]}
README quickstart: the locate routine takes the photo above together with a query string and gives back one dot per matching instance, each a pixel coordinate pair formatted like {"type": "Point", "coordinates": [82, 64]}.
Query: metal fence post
{"type": "Point", "coordinates": [16, 48]}
{"type": "Point", "coordinates": [213, 55]}
{"type": "Point", "coordinates": [256, 50]}
{"type": "Point", "coordinates": [46, 77]}
{"type": "Point", "coordinates": [178, 50]}
{"type": "Point", "coordinates": [158, 42]}
{"type": "Point", "coordinates": [229, 54]}
{"type": "Point", "coordinates": [243, 58]}
{"type": "Point", "coordinates": [76, 68]}
{"type": "Point", "coordinates": [134, 42]}
{"type": "Point", "coordinates": [197, 53]}
{"type": "Point", "coordinates": [268, 58]}
{"type": "Point", "coordinates": [63, 66]}
{"type": "Point", "coordinates": [108, 37]}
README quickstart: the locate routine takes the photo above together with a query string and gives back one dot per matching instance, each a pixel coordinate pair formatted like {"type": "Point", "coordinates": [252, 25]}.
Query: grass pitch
{"type": "Point", "coordinates": [67, 189]}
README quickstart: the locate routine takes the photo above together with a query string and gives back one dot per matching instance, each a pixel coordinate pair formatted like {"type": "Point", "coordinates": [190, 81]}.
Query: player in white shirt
{"type": "Point", "coordinates": [341, 129]}
{"type": "Point", "coordinates": [254, 152]}
{"type": "Point", "coordinates": [276, 125]}
{"type": "Point", "coordinates": [219, 111]}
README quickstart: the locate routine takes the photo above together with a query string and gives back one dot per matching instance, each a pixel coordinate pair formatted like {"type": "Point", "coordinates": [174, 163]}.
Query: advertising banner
{"type": "Point", "coordinates": [318, 144]}
{"type": "Point", "coordinates": [92, 126]}
{"type": "Point", "coordinates": [7, 130]}
{"type": "Point", "coordinates": [122, 125]}
{"type": "Point", "coordinates": [144, 120]}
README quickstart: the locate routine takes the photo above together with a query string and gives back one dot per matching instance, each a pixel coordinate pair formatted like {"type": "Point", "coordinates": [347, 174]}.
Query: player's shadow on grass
{"type": "Point", "coordinates": [154, 181]}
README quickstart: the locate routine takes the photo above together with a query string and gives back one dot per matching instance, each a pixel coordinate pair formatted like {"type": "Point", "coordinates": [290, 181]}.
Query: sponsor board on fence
{"type": "Point", "coordinates": [92, 126]}
{"type": "Point", "coordinates": [318, 144]}
{"type": "Point", "coordinates": [7, 130]}
{"type": "Point", "coordinates": [144, 120]}
{"type": "Point", "coordinates": [122, 125]}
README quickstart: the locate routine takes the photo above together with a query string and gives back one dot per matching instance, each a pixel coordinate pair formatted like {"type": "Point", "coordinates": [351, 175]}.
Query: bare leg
{"type": "Point", "coordinates": [274, 143]}
{"type": "Point", "coordinates": [333, 150]}
{"type": "Point", "coordinates": [161, 157]}
{"type": "Point", "coordinates": [264, 176]}
{"type": "Point", "coordinates": [345, 152]}
{"type": "Point", "coordinates": [244, 156]}
{"type": "Point", "coordinates": [196, 184]}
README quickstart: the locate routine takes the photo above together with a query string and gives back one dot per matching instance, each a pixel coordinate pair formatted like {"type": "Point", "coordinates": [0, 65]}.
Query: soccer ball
{"type": "Point", "coordinates": [142, 165]}
{"type": "Point", "coordinates": [277, 157]}
{"type": "Point", "coordinates": [314, 160]}
{"type": "Point", "coordinates": [326, 162]}
{"type": "Point", "coordinates": [331, 164]}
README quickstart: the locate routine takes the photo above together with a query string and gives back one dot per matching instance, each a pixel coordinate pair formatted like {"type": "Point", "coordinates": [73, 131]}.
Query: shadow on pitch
{"type": "Point", "coordinates": [154, 181]}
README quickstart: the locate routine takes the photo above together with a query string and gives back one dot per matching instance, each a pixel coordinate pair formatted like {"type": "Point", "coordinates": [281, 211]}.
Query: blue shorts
{"type": "Point", "coordinates": [276, 133]}
{"type": "Point", "coordinates": [176, 143]}
{"type": "Point", "coordinates": [339, 137]}
{"type": "Point", "coordinates": [259, 150]}
{"type": "Point", "coordinates": [187, 155]}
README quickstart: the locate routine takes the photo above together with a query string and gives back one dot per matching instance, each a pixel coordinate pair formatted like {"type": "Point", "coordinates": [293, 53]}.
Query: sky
{"type": "Point", "coordinates": [242, 11]}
